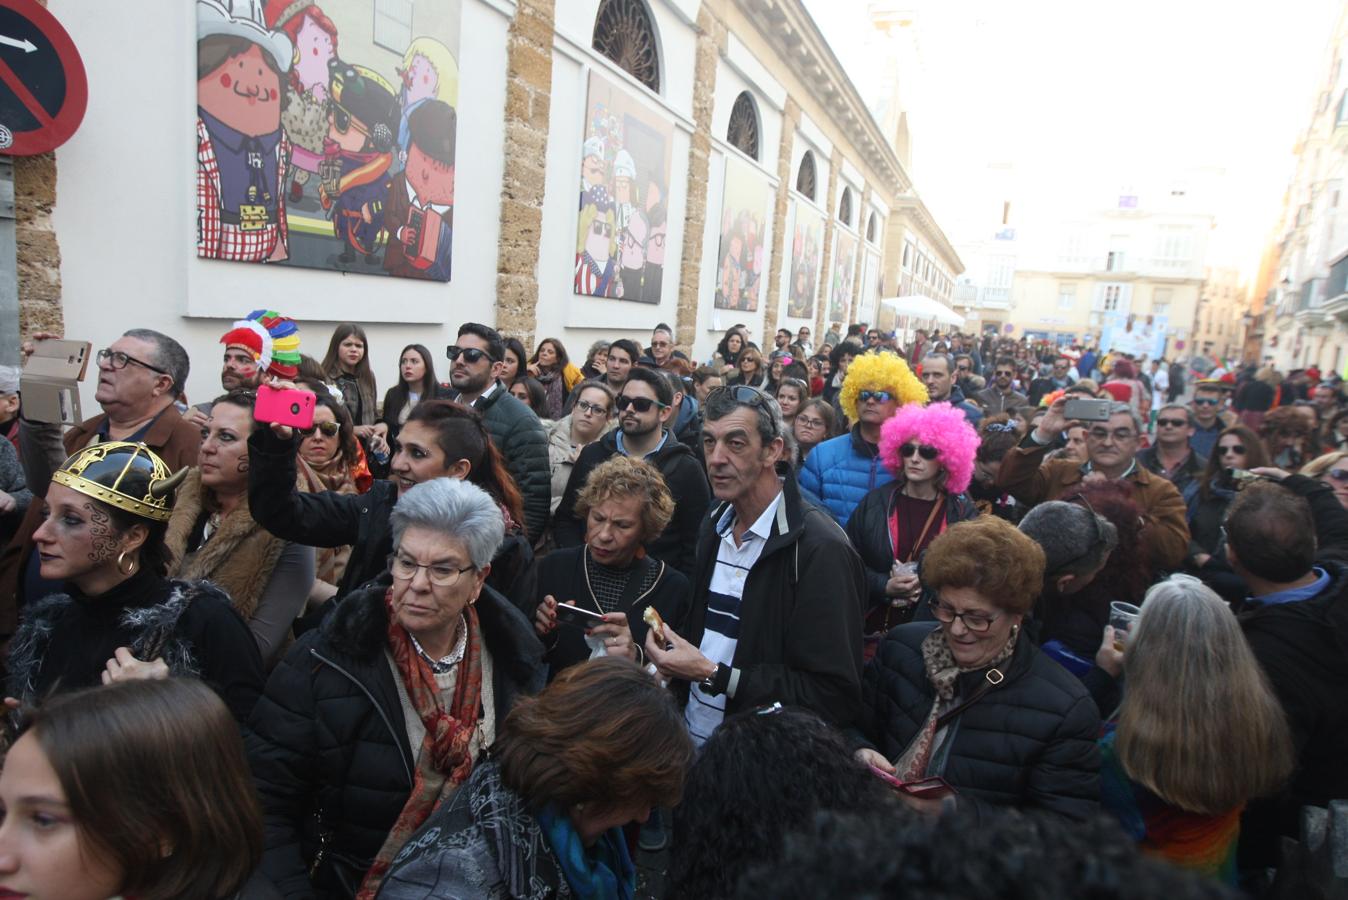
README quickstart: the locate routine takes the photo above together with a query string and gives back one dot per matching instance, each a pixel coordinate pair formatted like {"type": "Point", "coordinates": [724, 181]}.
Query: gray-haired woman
{"type": "Point", "coordinates": [377, 716]}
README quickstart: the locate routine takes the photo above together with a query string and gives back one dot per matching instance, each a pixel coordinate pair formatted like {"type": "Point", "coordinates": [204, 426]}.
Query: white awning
{"type": "Point", "coordinates": [922, 307]}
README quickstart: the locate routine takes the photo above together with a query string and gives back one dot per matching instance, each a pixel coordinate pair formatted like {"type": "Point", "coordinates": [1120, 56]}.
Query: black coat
{"type": "Point", "coordinates": [800, 613]}
{"type": "Point", "coordinates": [1028, 742]}
{"type": "Point", "coordinates": [687, 482]}
{"type": "Point", "coordinates": [519, 435]}
{"type": "Point", "coordinates": [561, 574]}
{"type": "Point", "coordinates": [868, 530]}
{"type": "Point", "coordinates": [328, 745]}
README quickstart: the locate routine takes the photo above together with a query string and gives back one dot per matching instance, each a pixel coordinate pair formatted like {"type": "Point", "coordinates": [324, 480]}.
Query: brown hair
{"type": "Point", "coordinates": [155, 766]}
{"type": "Point", "coordinates": [461, 434]}
{"type": "Point", "coordinates": [332, 367]}
{"type": "Point", "coordinates": [1255, 456]}
{"type": "Point", "coordinates": [1272, 532]}
{"type": "Point", "coordinates": [622, 476]}
{"type": "Point", "coordinates": [991, 556]}
{"type": "Point", "coordinates": [1199, 725]}
{"type": "Point", "coordinates": [216, 50]}
{"type": "Point", "coordinates": [602, 732]}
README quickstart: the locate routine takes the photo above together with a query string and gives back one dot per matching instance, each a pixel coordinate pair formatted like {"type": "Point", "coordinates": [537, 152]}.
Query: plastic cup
{"type": "Point", "coordinates": [1122, 617]}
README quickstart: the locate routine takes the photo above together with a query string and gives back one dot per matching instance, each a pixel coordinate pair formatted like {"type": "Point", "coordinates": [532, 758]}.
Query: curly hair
{"type": "Point", "coordinates": [941, 426]}
{"type": "Point", "coordinates": [882, 372]}
{"type": "Point", "coordinates": [622, 476]}
{"type": "Point", "coordinates": [991, 556]}
{"type": "Point", "coordinates": [736, 810]}
{"type": "Point", "coordinates": [997, 435]}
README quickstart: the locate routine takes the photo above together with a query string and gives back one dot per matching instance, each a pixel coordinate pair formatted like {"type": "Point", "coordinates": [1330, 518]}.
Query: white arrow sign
{"type": "Point", "coordinates": [25, 45]}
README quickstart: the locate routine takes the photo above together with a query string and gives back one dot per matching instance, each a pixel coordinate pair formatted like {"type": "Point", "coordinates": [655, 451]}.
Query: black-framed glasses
{"type": "Point", "coordinates": [926, 451]}
{"type": "Point", "coordinates": [471, 355]}
{"type": "Point", "coordinates": [977, 622]}
{"type": "Point", "coordinates": [877, 396]}
{"type": "Point", "coordinates": [807, 422]}
{"type": "Point", "coordinates": [327, 429]}
{"type": "Point", "coordinates": [640, 404]}
{"type": "Point", "coordinates": [440, 575]}
{"type": "Point", "coordinates": [1118, 434]}
{"type": "Point", "coordinates": [593, 409]}
{"type": "Point", "coordinates": [116, 359]}
{"type": "Point", "coordinates": [1173, 423]}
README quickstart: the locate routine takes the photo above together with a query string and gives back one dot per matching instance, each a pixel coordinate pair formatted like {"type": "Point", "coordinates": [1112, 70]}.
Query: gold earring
{"type": "Point", "coordinates": [125, 564]}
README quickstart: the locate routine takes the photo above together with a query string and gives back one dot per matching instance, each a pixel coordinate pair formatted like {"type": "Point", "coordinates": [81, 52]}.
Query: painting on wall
{"type": "Point", "coordinates": [806, 239]}
{"type": "Point", "coordinates": [624, 191]}
{"type": "Point", "coordinates": [844, 273]}
{"type": "Point", "coordinates": [870, 288]}
{"type": "Point", "coordinates": [326, 135]}
{"type": "Point", "coordinates": [742, 257]}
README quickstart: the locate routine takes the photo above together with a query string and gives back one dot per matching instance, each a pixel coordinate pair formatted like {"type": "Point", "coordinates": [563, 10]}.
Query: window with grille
{"type": "Point", "coordinates": [805, 177]}
{"type": "Point", "coordinates": [624, 32]}
{"type": "Point", "coordinates": [743, 129]}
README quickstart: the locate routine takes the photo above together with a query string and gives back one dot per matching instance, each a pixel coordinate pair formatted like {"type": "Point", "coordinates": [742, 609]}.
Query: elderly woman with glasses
{"type": "Point", "coordinates": [973, 700]}
{"type": "Point", "coordinates": [930, 452]}
{"type": "Point", "coordinates": [380, 714]}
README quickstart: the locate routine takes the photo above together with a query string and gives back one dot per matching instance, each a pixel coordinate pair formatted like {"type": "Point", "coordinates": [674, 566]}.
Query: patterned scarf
{"type": "Point", "coordinates": [942, 672]}
{"type": "Point", "coordinates": [443, 762]}
{"type": "Point", "coordinates": [602, 872]}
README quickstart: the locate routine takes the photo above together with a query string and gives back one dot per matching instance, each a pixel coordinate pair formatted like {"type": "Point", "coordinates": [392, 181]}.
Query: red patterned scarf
{"type": "Point", "coordinates": [444, 761]}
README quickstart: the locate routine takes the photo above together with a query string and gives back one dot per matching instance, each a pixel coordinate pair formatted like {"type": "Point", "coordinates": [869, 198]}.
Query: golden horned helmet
{"type": "Point", "coordinates": [125, 475]}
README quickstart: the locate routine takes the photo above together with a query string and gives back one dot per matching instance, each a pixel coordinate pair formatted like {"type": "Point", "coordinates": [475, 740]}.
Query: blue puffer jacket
{"type": "Point", "coordinates": [841, 471]}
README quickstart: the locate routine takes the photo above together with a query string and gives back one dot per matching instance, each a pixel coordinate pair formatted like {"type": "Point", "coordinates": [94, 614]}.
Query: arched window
{"type": "Point", "coordinates": [743, 130]}
{"type": "Point", "coordinates": [805, 175]}
{"type": "Point", "coordinates": [845, 207]}
{"type": "Point", "coordinates": [870, 229]}
{"type": "Point", "coordinates": [624, 32]}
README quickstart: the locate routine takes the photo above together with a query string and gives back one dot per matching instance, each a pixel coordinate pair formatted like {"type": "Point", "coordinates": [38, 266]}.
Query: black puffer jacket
{"type": "Point", "coordinates": [868, 530]}
{"type": "Point", "coordinates": [523, 441]}
{"type": "Point", "coordinates": [328, 745]}
{"type": "Point", "coordinates": [1028, 742]}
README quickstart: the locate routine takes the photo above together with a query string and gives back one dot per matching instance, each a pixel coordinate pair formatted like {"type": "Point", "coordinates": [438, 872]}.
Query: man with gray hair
{"type": "Point", "coordinates": [777, 591]}
{"type": "Point", "coordinates": [1111, 446]}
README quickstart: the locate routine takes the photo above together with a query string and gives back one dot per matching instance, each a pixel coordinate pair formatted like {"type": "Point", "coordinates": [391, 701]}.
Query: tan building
{"type": "Point", "coordinates": [1218, 329]}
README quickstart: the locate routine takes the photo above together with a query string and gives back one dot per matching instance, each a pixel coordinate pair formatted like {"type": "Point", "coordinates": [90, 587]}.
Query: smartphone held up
{"type": "Point", "coordinates": [285, 406]}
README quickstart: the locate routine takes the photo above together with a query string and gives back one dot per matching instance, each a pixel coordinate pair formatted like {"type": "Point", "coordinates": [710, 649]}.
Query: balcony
{"type": "Point", "coordinates": [1308, 303]}
{"type": "Point", "coordinates": [1336, 291]}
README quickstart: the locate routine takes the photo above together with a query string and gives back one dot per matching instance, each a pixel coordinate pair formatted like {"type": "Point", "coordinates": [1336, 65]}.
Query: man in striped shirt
{"type": "Point", "coordinates": [778, 590]}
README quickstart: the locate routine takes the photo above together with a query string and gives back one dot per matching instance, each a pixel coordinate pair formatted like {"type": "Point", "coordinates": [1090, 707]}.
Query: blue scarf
{"type": "Point", "coordinates": [605, 872]}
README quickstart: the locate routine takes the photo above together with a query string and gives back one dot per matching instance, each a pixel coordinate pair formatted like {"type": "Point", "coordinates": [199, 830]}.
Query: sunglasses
{"type": "Point", "coordinates": [343, 122]}
{"type": "Point", "coordinates": [1232, 449]}
{"type": "Point", "coordinates": [926, 451]}
{"type": "Point", "coordinates": [1338, 474]}
{"type": "Point", "coordinates": [327, 429]}
{"type": "Point", "coordinates": [1173, 423]}
{"type": "Point", "coordinates": [1006, 374]}
{"type": "Point", "coordinates": [641, 404]}
{"type": "Point", "coordinates": [741, 393]}
{"type": "Point", "coordinates": [877, 396]}
{"type": "Point", "coordinates": [471, 355]}
{"type": "Point", "coordinates": [1206, 401]}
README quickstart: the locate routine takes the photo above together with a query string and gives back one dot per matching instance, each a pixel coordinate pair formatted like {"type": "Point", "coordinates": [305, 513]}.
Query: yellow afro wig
{"type": "Point", "coordinates": [880, 372]}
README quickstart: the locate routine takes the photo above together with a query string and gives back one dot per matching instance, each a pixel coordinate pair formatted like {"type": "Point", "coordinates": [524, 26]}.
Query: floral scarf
{"type": "Point", "coordinates": [444, 761]}
{"type": "Point", "coordinates": [942, 672]}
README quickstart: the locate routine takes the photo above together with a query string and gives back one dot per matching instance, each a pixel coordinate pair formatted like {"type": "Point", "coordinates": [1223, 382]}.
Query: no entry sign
{"type": "Point", "coordinates": [43, 91]}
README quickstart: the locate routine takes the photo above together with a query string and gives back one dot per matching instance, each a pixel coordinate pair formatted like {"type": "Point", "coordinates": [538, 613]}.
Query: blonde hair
{"type": "Point", "coordinates": [1322, 464]}
{"type": "Point", "coordinates": [1199, 726]}
{"type": "Point", "coordinates": [442, 61]}
{"type": "Point", "coordinates": [880, 372]}
{"type": "Point", "coordinates": [622, 476]}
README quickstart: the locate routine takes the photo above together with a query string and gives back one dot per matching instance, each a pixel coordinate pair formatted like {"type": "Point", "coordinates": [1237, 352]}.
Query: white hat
{"type": "Point", "coordinates": [594, 146]}
{"type": "Point", "coordinates": [243, 18]}
{"type": "Point", "coordinates": [9, 379]}
{"type": "Point", "coordinates": [624, 166]}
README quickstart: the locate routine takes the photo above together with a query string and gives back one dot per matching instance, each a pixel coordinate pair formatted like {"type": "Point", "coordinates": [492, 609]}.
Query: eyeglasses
{"type": "Point", "coordinates": [1206, 401]}
{"type": "Point", "coordinates": [810, 423]}
{"type": "Point", "coordinates": [327, 429]}
{"type": "Point", "coordinates": [118, 360]}
{"type": "Point", "coordinates": [742, 393]}
{"type": "Point", "coordinates": [593, 409]}
{"type": "Point", "coordinates": [405, 569]}
{"type": "Point", "coordinates": [975, 622]}
{"type": "Point", "coordinates": [641, 404]}
{"type": "Point", "coordinates": [471, 355]}
{"type": "Point", "coordinates": [961, 368]}
{"type": "Point", "coordinates": [1232, 450]}
{"type": "Point", "coordinates": [1005, 374]}
{"type": "Point", "coordinates": [877, 396]}
{"type": "Point", "coordinates": [1118, 434]}
{"type": "Point", "coordinates": [1338, 474]}
{"type": "Point", "coordinates": [926, 451]}
{"type": "Point", "coordinates": [1173, 423]}
{"type": "Point", "coordinates": [343, 121]}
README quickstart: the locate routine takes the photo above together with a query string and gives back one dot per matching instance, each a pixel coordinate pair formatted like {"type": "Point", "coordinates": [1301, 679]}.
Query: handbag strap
{"type": "Point", "coordinates": [936, 507]}
{"type": "Point", "coordinates": [991, 679]}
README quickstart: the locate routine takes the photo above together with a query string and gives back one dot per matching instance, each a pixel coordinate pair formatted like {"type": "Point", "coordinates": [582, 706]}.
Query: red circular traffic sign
{"type": "Point", "coordinates": [43, 89]}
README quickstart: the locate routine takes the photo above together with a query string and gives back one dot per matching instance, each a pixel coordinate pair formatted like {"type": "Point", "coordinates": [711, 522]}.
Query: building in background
{"type": "Point", "coordinates": [1305, 293]}
{"type": "Point", "coordinates": [1218, 327]}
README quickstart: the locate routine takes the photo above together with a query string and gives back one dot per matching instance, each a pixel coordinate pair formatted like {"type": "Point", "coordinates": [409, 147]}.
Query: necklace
{"type": "Point", "coordinates": [445, 663]}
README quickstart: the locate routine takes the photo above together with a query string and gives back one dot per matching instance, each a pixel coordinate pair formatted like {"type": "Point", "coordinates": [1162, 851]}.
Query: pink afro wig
{"type": "Point", "coordinates": [941, 426]}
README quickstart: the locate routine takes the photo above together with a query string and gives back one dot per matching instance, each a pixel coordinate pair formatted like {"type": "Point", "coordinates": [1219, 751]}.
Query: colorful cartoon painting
{"type": "Point", "coordinates": [326, 135]}
{"type": "Point", "coordinates": [844, 273]}
{"type": "Point", "coordinates": [742, 257]}
{"type": "Point", "coordinates": [624, 190]}
{"type": "Point", "coordinates": [806, 240]}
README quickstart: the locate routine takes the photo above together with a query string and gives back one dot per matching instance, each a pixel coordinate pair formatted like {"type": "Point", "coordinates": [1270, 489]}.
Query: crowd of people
{"type": "Point", "coordinates": [872, 617]}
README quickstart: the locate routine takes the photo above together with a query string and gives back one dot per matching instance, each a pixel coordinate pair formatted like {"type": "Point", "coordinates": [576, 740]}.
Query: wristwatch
{"type": "Point", "coordinates": [718, 681]}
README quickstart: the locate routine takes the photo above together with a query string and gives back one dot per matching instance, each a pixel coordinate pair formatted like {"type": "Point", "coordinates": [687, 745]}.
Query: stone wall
{"type": "Point", "coordinates": [527, 110]}
{"type": "Point", "coordinates": [39, 254]}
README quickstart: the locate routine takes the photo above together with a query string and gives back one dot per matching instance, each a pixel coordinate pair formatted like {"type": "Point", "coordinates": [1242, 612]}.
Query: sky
{"type": "Point", "coordinates": [1079, 98]}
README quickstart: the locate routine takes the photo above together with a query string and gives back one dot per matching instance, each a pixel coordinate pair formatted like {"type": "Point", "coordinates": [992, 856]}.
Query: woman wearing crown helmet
{"type": "Point", "coordinates": [102, 535]}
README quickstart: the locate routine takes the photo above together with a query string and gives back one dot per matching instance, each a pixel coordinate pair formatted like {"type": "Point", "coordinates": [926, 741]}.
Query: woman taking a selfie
{"type": "Point", "coordinates": [105, 516]}
{"type": "Point", "coordinates": [138, 789]}
{"type": "Point", "coordinates": [211, 534]}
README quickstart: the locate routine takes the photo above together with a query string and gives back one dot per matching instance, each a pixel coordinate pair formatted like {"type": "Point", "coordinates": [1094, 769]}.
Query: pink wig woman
{"type": "Point", "coordinates": [940, 426]}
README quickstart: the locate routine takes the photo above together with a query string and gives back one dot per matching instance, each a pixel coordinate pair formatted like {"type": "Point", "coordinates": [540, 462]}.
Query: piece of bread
{"type": "Point", "coordinates": [657, 624]}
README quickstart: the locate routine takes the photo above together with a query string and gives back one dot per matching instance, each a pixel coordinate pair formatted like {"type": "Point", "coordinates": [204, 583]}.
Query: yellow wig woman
{"type": "Point", "coordinates": [880, 372]}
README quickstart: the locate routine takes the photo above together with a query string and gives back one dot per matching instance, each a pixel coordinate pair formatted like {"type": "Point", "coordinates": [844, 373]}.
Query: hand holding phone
{"type": "Point", "coordinates": [291, 407]}
{"type": "Point", "coordinates": [584, 619]}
